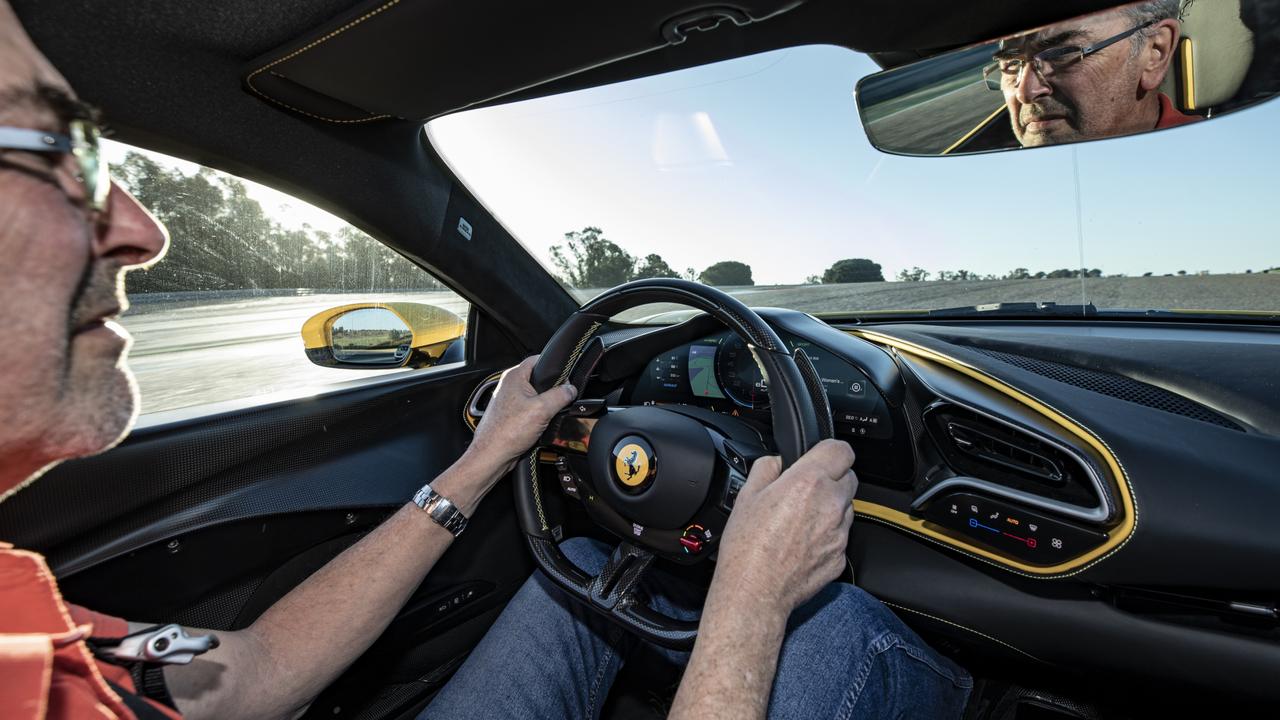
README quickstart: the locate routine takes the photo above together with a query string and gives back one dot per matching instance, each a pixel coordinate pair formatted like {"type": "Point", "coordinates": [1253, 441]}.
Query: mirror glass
{"type": "Point", "coordinates": [1132, 69]}
{"type": "Point", "coordinates": [371, 336]}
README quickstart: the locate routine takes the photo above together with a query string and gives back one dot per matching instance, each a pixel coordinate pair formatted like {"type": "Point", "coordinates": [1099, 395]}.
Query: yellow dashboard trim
{"type": "Point", "coordinates": [1118, 536]}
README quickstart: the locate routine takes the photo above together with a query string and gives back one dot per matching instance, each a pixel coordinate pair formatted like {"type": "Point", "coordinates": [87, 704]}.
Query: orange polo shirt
{"type": "Point", "coordinates": [1171, 117]}
{"type": "Point", "coordinates": [47, 672]}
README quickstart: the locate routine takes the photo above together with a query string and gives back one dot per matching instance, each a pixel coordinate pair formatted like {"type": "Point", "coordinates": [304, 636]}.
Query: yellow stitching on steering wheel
{"type": "Point", "coordinates": [537, 496]}
{"type": "Point", "coordinates": [577, 351]}
{"type": "Point", "coordinates": [533, 456]}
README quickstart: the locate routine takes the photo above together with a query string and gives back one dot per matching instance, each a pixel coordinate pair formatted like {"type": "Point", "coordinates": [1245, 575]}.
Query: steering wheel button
{"type": "Point", "coordinates": [586, 408]}
{"type": "Point", "coordinates": [568, 485]}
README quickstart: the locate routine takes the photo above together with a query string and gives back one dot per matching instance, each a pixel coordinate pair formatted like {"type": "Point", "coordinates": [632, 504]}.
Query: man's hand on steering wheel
{"type": "Point", "coordinates": [515, 419]}
{"type": "Point", "coordinates": [805, 512]}
{"type": "Point", "coordinates": [517, 416]}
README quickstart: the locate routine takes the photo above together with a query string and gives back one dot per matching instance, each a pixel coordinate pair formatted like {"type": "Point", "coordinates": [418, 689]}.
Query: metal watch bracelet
{"type": "Point", "coordinates": [446, 514]}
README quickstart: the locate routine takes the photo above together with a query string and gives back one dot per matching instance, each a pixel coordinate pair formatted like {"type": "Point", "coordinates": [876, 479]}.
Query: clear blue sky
{"type": "Point", "coordinates": [763, 159]}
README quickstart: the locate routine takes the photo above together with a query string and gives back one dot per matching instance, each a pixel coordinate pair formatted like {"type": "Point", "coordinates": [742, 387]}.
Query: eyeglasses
{"type": "Point", "coordinates": [1048, 62]}
{"type": "Point", "coordinates": [82, 144]}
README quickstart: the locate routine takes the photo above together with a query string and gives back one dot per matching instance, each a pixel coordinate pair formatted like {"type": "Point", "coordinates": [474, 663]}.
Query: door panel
{"type": "Point", "coordinates": [210, 521]}
{"type": "Point", "coordinates": [365, 447]}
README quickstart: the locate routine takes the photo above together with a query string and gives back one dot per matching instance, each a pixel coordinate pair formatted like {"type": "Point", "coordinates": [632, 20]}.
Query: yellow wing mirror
{"type": "Point", "coordinates": [369, 336]}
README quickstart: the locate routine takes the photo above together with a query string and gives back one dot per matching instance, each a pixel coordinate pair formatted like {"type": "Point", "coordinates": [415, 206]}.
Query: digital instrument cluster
{"type": "Point", "coordinates": [719, 372]}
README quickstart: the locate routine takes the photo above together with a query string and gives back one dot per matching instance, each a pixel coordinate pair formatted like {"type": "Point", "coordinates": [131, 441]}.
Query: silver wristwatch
{"type": "Point", "coordinates": [446, 514]}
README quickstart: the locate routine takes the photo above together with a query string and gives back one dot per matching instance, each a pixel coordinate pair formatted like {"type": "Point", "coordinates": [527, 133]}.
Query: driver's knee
{"type": "Point", "coordinates": [589, 555]}
{"type": "Point", "coordinates": [846, 621]}
{"type": "Point", "coordinates": [846, 610]}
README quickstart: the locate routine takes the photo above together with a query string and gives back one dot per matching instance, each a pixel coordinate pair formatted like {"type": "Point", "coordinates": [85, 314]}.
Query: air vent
{"type": "Point", "coordinates": [999, 448]}
{"type": "Point", "coordinates": [1116, 386]}
{"type": "Point", "coordinates": [981, 447]}
{"type": "Point", "coordinates": [473, 411]}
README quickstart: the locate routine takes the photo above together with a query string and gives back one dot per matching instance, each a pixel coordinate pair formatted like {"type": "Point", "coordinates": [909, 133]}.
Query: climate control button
{"type": "Point", "coordinates": [1011, 530]}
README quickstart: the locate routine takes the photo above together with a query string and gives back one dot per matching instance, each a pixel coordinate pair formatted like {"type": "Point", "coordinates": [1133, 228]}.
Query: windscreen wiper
{"type": "Point", "coordinates": [1019, 309]}
{"type": "Point", "coordinates": [1033, 310]}
{"type": "Point", "coordinates": [1089, 310]}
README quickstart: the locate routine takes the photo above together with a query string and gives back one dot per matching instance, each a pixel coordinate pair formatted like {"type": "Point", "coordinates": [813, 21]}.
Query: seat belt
{"type": "Point", "coordinates": [141, 709]}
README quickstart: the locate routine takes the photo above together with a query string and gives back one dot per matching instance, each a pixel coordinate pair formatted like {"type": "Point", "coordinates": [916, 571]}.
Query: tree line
{"type": "Point", "coordinates": [222, 239]}
{"type": "Point", "coordinates": [587, 259]}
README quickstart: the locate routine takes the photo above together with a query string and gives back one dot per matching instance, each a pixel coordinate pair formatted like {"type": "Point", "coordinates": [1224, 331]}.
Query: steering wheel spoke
{"type": "Point", "coordinates": [739, 455]}
{"type": "Point", "coordinates": [616, 584]}
{"type": "Point", "coordinates": [616, 591]}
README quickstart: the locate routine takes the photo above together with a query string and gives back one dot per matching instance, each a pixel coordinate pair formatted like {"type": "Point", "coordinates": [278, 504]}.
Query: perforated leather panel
{"type": "Point", "coordinates": [1116, 386]}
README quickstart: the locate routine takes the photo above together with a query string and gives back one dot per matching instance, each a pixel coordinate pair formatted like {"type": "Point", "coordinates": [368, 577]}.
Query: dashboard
{"type": "Point", "coordinates": [1096, 495]}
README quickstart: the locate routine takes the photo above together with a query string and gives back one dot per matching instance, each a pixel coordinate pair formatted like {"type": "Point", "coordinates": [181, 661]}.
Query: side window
{"type": "Point", "coordinates": [220, 317]}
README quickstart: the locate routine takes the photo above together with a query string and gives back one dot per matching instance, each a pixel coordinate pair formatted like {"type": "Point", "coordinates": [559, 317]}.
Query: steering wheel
{"type": "Point", "coordinates": [662, 477]}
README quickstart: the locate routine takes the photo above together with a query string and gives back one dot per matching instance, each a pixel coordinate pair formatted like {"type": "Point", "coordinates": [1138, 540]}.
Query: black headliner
{"type": "Point", "coordinates": [169, 76]}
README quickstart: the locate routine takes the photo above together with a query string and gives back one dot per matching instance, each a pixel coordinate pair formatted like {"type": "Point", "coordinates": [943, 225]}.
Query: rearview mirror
{"type": "Point", "coordinates": [1129, 70]}
{"type": "Point", "coordinates": [370, 336]}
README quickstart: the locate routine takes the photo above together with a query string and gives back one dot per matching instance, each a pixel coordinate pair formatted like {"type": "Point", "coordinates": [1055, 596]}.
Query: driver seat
{"type": "Point", "coordinates": [1212, 59]}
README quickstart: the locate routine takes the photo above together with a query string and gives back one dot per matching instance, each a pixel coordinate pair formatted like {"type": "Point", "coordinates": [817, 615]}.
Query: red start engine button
{"type": "Point", "coordinates": [693, 539]}
{"type": "Point", "coordinates": [691, 545]}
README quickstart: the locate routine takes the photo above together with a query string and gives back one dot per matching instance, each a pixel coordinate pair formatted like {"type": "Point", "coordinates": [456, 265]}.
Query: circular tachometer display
{"type": "Point", "coordinates": [740, 376]}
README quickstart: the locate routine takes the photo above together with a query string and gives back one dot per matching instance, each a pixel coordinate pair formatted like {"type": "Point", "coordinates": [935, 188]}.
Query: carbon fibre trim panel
{"type": "Point", "coordinates": [821, 404]}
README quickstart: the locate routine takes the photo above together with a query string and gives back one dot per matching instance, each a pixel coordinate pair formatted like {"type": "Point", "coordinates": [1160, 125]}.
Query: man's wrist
{"type": "Point", "coordinates": [467, 481]}
{"type": "Point", "coordinates": [483, 464]}
{"type": "Point", "coordinates": [735, 659]}
{"type": "Point", "coordinates": [441, 510]}
{"type": "Point", "coordinates": [742, 588]}
{"type": "Point", "coordinates": [740, 606]}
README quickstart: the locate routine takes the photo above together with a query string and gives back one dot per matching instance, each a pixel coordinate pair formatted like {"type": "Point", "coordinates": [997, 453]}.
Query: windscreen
{"type": "Point", "coordinates": [755, 175]}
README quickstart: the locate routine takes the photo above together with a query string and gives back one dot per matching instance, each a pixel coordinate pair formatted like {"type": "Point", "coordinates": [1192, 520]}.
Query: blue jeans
{"type": "Point", "coordinates": [845, 656]}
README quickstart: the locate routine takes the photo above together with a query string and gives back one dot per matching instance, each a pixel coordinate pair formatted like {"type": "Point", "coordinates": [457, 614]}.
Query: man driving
{"type": "Point", "coordinates": [776, 639]}
{"type": "Point", "coordinates": [1091, 78]}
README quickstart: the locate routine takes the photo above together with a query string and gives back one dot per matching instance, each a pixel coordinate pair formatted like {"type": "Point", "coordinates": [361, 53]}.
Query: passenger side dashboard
{"type": "Point", "coordinates": [1090, 495]}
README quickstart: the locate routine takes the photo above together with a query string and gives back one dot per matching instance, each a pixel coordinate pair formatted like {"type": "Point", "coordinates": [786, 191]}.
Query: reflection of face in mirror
{"type": "Point", "coordinates": [1095, 77]}
{"type": "Point", "coordinates": [371, 336]}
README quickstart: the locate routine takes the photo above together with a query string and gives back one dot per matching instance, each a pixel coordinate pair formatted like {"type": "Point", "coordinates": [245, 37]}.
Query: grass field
{"type": "Point", "coordinates": [1258, 292]}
